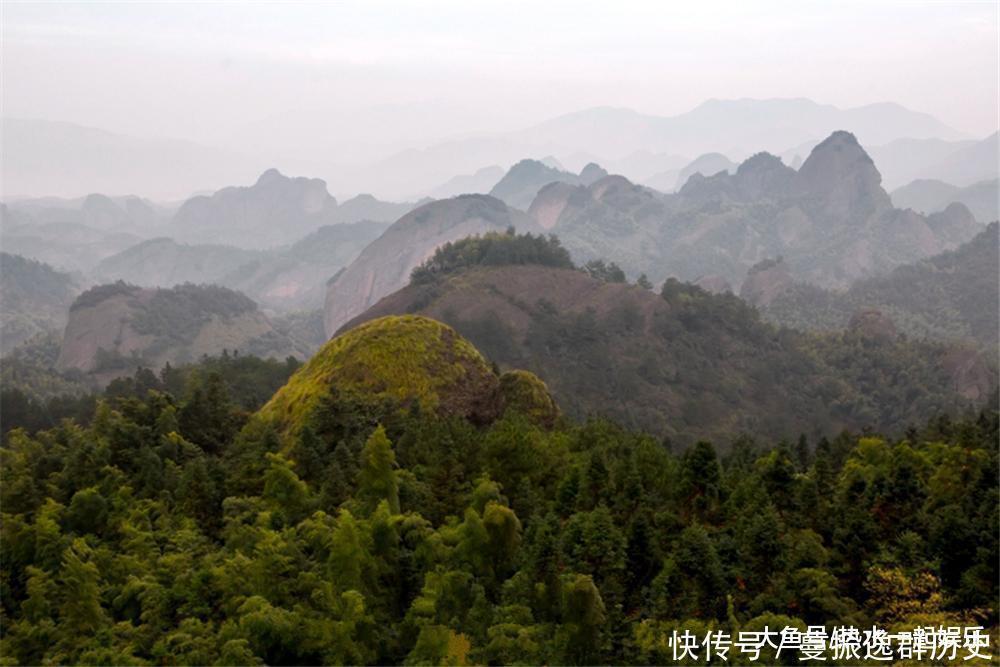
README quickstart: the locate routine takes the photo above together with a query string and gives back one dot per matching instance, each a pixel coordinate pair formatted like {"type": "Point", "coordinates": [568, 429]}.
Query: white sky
{"type": "Point", "coordinates": [204, 71]}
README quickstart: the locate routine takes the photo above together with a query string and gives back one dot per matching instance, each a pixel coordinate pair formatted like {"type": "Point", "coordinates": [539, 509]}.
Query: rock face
{"type": "Point", "coordinates": [830, 220]}
{"type": "Point", "coordinates": [840, 174]}
{"type": "Point", "coordinates": [385, 265]}
{"type": "Point", "coordinates": [971, 375]}
{"type": "Point", "coordinates": [766, 282]}
{"type": "Point", "coordinates": [114, 328]}
{"type": "Point", "coordinates": [407, 360]}
{"type": "Point", "coordinates": [296, 278]}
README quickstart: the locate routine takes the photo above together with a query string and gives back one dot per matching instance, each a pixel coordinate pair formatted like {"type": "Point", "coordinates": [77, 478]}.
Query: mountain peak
{"type": "Point", "coordinates": [272, 175]}
{"type": "Point", "coordinates": [840, 170]}
{"type": "Point", "coordinates": [592, 173]}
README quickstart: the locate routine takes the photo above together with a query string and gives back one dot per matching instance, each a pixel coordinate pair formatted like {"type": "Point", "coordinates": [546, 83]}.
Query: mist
{"type": "Point", "coordinates": [335, 90]}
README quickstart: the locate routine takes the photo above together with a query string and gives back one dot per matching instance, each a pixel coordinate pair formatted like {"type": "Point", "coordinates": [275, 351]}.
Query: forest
{"type": "Point", "coordinates": [173, 526]}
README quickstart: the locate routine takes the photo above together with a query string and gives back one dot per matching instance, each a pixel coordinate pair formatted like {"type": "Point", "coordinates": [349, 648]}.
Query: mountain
{"type": "Point", "coordinates": [970, 164]}
{"type": "Point", "coordinates": [366, 207]}
{"type": "Point", "coordinates": [114, 328]}
{"type": "Point", "coordinates": [951, 296]}
{"type": "Point", "coordinates": [522, 182]}
{"type": "Point", "coordinates": [53, 158]}
{"type": "Point", "coordinates": [961, 163]}
{"type": "Point", "coordinates": [741, 126]}
{"type": "Point", "coordinates": [831, 221]}
{"type": "Point", "coordinates": [385, 265]}
{"type": "Point", "coordinates": [283, 279]}
{"type": "Point", "coordinates": [296, 278]}
{"type": "Point", "coordinates": [34, 299]}
{"type": "Point", "coordinates": [68, 246]}
{"type": "Point", "coordinates": [737, 128]}
{"type": "Point", "coordinates": [163, 262]}
{"type": "Point", "coordinates": [645, 166]}
{"type": "Point", "coordinates": [930, 196]}
{"type": "Point", "coordinates": [686, 364]}
{"type": "Point", "coordinates": [904, 160]}
{"type": "Point", "coordinates": [479, 182]}
{"type": "Point", "coordinates": [275, 211]}
{"type": "Point", "coordinates": [129, 214]}
{"type": "Point", "coordinates": [708, 164]}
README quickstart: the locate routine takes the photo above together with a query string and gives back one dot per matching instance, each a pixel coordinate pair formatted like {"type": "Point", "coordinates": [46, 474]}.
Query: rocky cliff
{"type": "Point", "coordinates": [385, 265]}
{"type": "Point", "coordinates": [113, 329]}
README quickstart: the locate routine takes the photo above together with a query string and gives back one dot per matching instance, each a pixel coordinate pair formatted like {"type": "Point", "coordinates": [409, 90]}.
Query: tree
{"type": "Point", "coordinates": [81, 610]}
{"type": "Point", "coordinates": [584, 617]}
{"type": "Point", "coordinates": [283, 488]}
{"type": "Point", "coordinates": [377, 478]}
{"type": "Point", "coordinates": [87, 512]}
{"type": "Point", "coordinates": [700, 475]}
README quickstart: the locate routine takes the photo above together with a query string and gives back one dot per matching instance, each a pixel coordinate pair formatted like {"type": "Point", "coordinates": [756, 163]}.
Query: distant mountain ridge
{"type": "Point", "coordinates": [737, 128]}
{"type": "Point", "coordinates": [283, 279]}
{"type": "Point", "coordinates": [276, 210]}
{"type": "Point", "coordinates": [831, 220]}
{"type": "Point", "coordinates": [522, 182]}
{"type": "Point", "coordinates": [931, 196]}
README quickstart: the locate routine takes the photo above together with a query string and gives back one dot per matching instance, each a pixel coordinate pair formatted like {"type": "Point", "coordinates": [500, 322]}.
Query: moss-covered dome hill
{"type": "Point", "coordinates": [409, 361]}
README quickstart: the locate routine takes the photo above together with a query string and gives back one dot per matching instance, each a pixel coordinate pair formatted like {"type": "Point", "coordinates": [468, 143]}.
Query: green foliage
{"type": "Point", "coordinates": [406, 359]}
{"type": "Point", "coordinates": [526, 394]}
{"type": "Point", "coordinates": [691, 365]}
{"type": "Point", "coordinates": [247, 382]}
{"type": "Point", "coordinates": [377, 479]}
{"type": "Point", "coordinates": [606, 273]}
{"type": "Point", "coordinates": [174, 528]}
{"type": "Point", "coordinates": [492, 249]}
{"type": "Point", "coordinates": [179, 313]}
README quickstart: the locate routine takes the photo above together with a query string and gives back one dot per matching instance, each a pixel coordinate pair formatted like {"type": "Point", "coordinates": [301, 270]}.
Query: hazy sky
{"type": "Point", "coordinates": [214, 72]}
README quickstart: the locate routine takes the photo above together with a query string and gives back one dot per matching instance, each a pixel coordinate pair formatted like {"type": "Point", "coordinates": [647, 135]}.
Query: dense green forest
{"type": "Point", "coordinates": [401, 520]}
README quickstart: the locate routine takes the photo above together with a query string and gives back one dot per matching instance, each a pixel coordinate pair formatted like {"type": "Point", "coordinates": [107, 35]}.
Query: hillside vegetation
{"type": "Point", "coordinates": [685, 363]}
{"type": "Point", "coordinates": [180, 528]}
{"type": "Point", "coordinates": [34, 299]}
{"type": "Point", "coordinates": [951, 296]}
